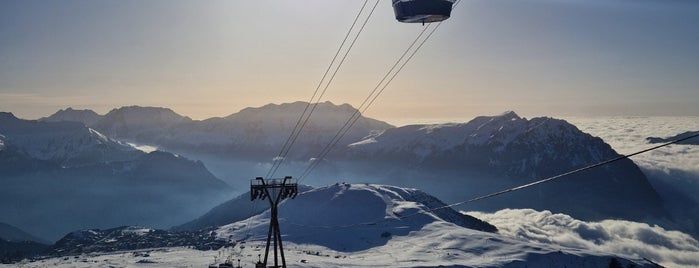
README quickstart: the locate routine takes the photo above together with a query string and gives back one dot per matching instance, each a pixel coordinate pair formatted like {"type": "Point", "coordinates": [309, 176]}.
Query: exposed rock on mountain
{"type": "Point", "coordinates": [133, 238]}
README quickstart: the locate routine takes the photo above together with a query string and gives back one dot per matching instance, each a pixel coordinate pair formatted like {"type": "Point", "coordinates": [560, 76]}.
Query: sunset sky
{"type": "Point", "coordinates": [213, 58]}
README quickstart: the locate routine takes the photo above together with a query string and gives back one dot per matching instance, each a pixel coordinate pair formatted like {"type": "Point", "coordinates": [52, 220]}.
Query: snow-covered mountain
{"type": "Point", "coordinates": [233, 210]}
{"type": "Point", "coordinates": [494, 152]}
{"type": "Point", "coordinates": [341, 225]}
{"type": "Point", "coordinates": [354, 217]}
{"type": "Point", "coordinates": [252, 132]}
{"type": "Point", "coordinates": [67, 143]}
{"type": "Point", "coordinates": [239, 146]}
{"type": "Point", "coordinates": [262, 131]}
{"type": "Point", "coordinates": [135, 123]}
{"type": "Point", "coordinates": [360, 225]}
{"type": "Point", "coordinates": [100, 182]}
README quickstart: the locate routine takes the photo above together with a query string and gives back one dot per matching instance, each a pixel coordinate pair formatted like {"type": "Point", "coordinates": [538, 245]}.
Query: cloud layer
{"type": "Point", "coordinates": [628, 135]}
{"type": "Point", "coordinates": [624, 238]}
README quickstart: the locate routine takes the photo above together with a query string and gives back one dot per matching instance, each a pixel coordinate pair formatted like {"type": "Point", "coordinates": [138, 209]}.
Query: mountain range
{"type": "Point", "coordinates": [93, 164]}
{"type": "Point", "coordinates": [62, 176]}
{"type": "Point", "coordinates": [454, 161]}
{"type": "Point", "coordinates": [250, 134]}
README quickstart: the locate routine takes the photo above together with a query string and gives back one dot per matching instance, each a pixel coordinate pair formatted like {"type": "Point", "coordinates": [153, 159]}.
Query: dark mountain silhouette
{"type": "Point", "coordinates": [11, 233]}
{"type": "Point", "coordinates": [692, 141]}
{"type": "Point", "coordinates": [87, 117]}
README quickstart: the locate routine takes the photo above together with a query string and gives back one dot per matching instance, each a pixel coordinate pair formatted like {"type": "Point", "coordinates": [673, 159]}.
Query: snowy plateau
{"type": "Point", "coordinates": [356, 224]}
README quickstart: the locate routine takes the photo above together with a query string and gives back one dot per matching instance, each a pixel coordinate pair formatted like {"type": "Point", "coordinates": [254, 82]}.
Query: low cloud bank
{"type": "Point", "coordinates": [623, 238]}
{"type": "Point", "coordinates": [628, 135]}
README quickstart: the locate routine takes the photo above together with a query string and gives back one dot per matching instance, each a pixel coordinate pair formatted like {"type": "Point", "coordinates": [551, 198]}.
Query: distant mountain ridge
{"type": "Point", "coordinates": [100, 181]}
{"type": "Point", "coordinates": [11, 233]}
{"type": "Point", "coordinates": [456, 160]}
{"type": "Point", "coordinates": [86, 116]}
{"type": "Point", "coordinates": [256, 132]}
{"type": "Point", "coordinates": [684, 135]}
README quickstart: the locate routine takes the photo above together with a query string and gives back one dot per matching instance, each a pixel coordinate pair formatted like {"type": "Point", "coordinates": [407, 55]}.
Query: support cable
{"type": "Point", "coordinates": [313, 103]}
{"type": "Point", "coordinates": [373, 95]}
{"type": "Point", "coordinates": [537, 182]}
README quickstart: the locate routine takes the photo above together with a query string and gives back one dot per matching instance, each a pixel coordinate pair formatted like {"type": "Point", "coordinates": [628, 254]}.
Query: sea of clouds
{"type": "Point", "coordinates": [628, 135]}
{"type": "Point", "coordinates": [627, 239]}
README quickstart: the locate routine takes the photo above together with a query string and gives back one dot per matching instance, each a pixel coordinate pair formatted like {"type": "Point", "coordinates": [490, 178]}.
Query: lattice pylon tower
{"type": "Point", "coordinates": [274, 190]}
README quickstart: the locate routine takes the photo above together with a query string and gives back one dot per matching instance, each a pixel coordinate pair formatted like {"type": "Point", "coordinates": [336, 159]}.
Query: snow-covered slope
{"type": "Point", "coordinates": [358, 225]}
{"type": "Point", "coordinates": [230, 211]}
{"type": "Point", "coordinates": [341, 225]}
{"type": "Point", "coordinates": [354, 217]}
{"type": "Point", "coordinates": [67, 143]}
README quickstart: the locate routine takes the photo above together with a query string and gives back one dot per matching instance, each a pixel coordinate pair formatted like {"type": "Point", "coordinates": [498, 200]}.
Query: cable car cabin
{"type": "Point", "coordinates": [422, 11]}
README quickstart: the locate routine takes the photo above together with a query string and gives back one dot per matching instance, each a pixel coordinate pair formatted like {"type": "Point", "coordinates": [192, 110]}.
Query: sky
{"type": "Point", "coordinates": [213, 58]}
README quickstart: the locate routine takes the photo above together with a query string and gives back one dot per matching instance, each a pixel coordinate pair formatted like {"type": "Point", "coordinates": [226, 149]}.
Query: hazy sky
{"type": "Point", "coordinates": [213, 58]}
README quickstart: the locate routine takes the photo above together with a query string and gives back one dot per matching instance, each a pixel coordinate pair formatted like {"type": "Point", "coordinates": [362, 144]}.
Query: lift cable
{"type": "Point", "coordinates": [621, 157]}
{"type": "Point", "coordinates": [373, 95]}
{"type": "Point", "coordinates": [369, 100]}
{"type": "Point", "coordinates": [327, 70]}
{"type": "Point", "coordinates": [312, 104]}
{"type": "Point", "coordinates": [300, 123]}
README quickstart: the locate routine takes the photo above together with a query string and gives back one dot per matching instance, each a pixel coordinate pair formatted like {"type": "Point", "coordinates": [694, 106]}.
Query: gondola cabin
{"type": "Point", "coordinates": [422, 11]}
